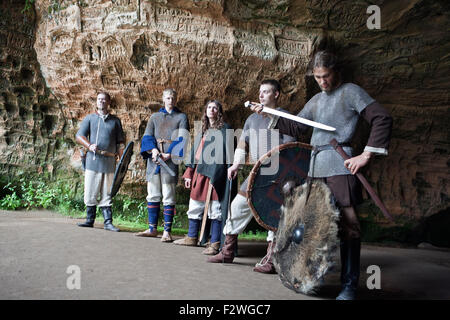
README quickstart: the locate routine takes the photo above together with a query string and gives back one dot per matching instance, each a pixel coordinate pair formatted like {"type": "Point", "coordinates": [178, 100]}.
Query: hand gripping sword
{"type": "Point", "coordinates": [291, 117]}
{"type": "Point", "coordinates": [162, 163]}
{"type": "Point", "coordinates": [364, 181]}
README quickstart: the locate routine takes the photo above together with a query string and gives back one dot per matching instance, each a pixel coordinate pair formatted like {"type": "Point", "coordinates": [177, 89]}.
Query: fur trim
{"type": "Point", "coordinates": [302, 266]}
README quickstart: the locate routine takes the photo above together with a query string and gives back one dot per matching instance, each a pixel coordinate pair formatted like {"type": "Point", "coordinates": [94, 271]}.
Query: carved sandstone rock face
{"type": "Point", "coordinates": [135, 49]}
{"type": "Point", "coordinates": [31, 120]}
{"type": "Point", "coordinates": [223, 49]}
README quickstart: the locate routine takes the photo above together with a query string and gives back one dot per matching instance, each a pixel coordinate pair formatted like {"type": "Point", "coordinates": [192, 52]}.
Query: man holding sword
{"type": "Point", "coordinates": [258, 137]}
{"type": "Point", "coordinates": [102, 135]}
{"type": "Point", "coordinates": [340, 105]}
{"type": "Point", "coordinates": [165, 136]}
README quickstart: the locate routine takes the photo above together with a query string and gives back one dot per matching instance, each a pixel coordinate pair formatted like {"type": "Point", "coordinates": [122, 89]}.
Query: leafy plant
{"type": "Point", "coordinates": [130, 213]}
{"type": "Point", "coordinates": [10, 201]}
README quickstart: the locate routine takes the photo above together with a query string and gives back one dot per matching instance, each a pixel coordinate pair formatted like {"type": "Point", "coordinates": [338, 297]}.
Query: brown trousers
{"type": "Point", "coordinates": [346, 190]}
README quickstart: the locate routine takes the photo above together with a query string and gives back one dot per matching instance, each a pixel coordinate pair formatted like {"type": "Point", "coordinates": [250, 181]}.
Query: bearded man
{"type": "Point", "coordinates": [340, 105]}
{"type": "Point", "coordinates": [102, 135]}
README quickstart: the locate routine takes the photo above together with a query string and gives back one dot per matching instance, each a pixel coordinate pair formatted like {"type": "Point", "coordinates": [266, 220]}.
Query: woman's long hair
{"type": "Point", "coordinates": [219, 121]}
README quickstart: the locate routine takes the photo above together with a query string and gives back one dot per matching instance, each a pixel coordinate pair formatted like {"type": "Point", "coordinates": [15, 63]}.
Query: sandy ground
{"type": "Point", "coordinates": [42, 252]}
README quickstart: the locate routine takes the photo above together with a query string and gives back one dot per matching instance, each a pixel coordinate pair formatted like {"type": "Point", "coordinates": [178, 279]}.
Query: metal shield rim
{"type": "Point", "coordinates": [130, 145]}
{"type": "Point", "coordinates": [254, 171]}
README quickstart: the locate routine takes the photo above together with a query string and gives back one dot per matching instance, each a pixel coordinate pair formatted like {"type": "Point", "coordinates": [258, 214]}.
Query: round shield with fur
{"type": "Point", "coordinates": [289, 161]}
{"type": "Point", "coordinates": [307, 237]}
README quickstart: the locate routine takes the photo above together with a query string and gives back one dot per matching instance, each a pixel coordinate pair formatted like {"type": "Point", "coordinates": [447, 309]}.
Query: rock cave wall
{"type": "Point", "coordinates": [53, 65]}
{"type": "Point", "coordinates": [32, 123]}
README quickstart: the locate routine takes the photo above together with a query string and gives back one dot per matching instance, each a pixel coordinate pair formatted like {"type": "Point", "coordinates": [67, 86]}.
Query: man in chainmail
{"type": "Point", "coordinates": [258, 137]}
{"type": "Point", "coordinates": [340, 105]}
{"type": "Point", "coordinates": [102, 135]}
{"type": "Point", "coordinates": [164, 139]}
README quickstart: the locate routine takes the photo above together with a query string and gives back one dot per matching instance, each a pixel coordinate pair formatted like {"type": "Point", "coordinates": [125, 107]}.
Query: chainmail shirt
{"type": "Point", "coordinates": [339, 108]}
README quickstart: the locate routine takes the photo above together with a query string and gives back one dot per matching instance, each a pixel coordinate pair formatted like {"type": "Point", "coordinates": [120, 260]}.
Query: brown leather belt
{"type": "Point", "coordinates": [105, 153]}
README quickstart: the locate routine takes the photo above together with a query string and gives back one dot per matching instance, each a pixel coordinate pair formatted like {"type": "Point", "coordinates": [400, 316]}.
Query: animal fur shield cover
{"type": "Point", "coordinates": [302, 266]}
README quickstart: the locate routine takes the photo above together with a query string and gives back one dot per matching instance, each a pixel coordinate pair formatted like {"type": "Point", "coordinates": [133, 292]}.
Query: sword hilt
{"type": "Point", "coordinates": [249, 103]}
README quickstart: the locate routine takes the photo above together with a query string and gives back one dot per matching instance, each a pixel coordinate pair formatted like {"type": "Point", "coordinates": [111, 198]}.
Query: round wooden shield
{"type": "Point", "coordinates": [121, 169]}
{"type": "Point", "coordinates": [289, 161]}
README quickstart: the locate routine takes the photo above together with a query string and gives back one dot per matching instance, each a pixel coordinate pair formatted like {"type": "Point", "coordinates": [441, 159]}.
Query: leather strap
{"type": "Point", "coordinates": [105, 153]}
{"type": "Point", "coordinates": [364, 181]}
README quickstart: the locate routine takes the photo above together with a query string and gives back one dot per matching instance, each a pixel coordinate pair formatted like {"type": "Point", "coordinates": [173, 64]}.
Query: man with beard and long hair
{"type": "Point", "coordinates": [341, 105]}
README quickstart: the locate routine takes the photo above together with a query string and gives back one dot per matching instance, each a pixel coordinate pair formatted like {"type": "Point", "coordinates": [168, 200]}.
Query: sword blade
{"type": "Point", "coordinates": [298, 119]}
{"type": "Point", "coordinates": [293, 118]}
{"type": "Point", "coordinates": [165, 166]}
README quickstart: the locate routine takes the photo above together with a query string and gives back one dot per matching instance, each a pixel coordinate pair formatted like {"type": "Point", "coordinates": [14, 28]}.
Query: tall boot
{"type": "Point", "coordinates": [266, 264]}
{"type": "Point", "coordinates": [350, 260]}
{"type": "Point", "coordinates": [107, 215]}
{"type": "Point", "coordinates": [226, 255]}
{"type": "Point", "coordinates": [90, 217]}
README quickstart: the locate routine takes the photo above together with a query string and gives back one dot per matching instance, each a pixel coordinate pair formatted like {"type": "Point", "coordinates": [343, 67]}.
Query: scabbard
{"type": "Point", "coordinates": [364, 181]}
{"type": "Point", "coordinates": [205, 213]}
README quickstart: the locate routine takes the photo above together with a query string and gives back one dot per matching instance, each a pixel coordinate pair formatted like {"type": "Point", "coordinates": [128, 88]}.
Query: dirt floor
{"type": "Point", "coordinates": [42, 253]}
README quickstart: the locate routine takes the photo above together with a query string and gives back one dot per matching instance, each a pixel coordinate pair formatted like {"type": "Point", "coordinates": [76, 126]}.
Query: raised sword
{"type": "Point", "coordinates": [291, 117]}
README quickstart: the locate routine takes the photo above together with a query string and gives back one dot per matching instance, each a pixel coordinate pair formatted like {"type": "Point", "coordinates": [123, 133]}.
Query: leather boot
{"type": "Point", "coordinates": [212, 249]}
{"type": "Point", "coordinates": [350, 260]}
{"type": "Point", "coordinates": [187, 241]}
{"type": "Point", "coordinates": [266, 265]}
{"type": "Point", "coordinates": [90, 217]}
{"type": "Point", "coordinates": [226, 255]}
{"type": "Point", "coordinates": [191, 238]}
{"type": "Point", "coordinates": [107, 215]}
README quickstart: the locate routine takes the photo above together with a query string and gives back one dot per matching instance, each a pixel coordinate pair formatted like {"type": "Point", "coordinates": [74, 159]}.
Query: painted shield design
{"type": "Point", "coordinates": [307, 237]}
{"type": "Point", "coordinates": [121, 169]}
{"type": "Point", "coordinates": [287, 162]}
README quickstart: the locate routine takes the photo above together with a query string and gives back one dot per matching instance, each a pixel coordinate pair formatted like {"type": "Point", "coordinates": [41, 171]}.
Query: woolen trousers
{"type": "Point", "coordinates": [97, 185]}
{"type": "Point", "coordinates": [240, 217]}
{"type": "Point", "coordinates": [158, 189]}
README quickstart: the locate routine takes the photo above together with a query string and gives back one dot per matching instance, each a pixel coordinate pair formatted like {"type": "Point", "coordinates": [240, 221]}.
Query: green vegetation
{"type": "Point", "coordinates": [128, 213]}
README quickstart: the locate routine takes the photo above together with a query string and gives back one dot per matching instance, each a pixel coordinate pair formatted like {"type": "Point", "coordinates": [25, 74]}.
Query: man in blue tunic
{"type": "Point", "coordinates": [164, 138]}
